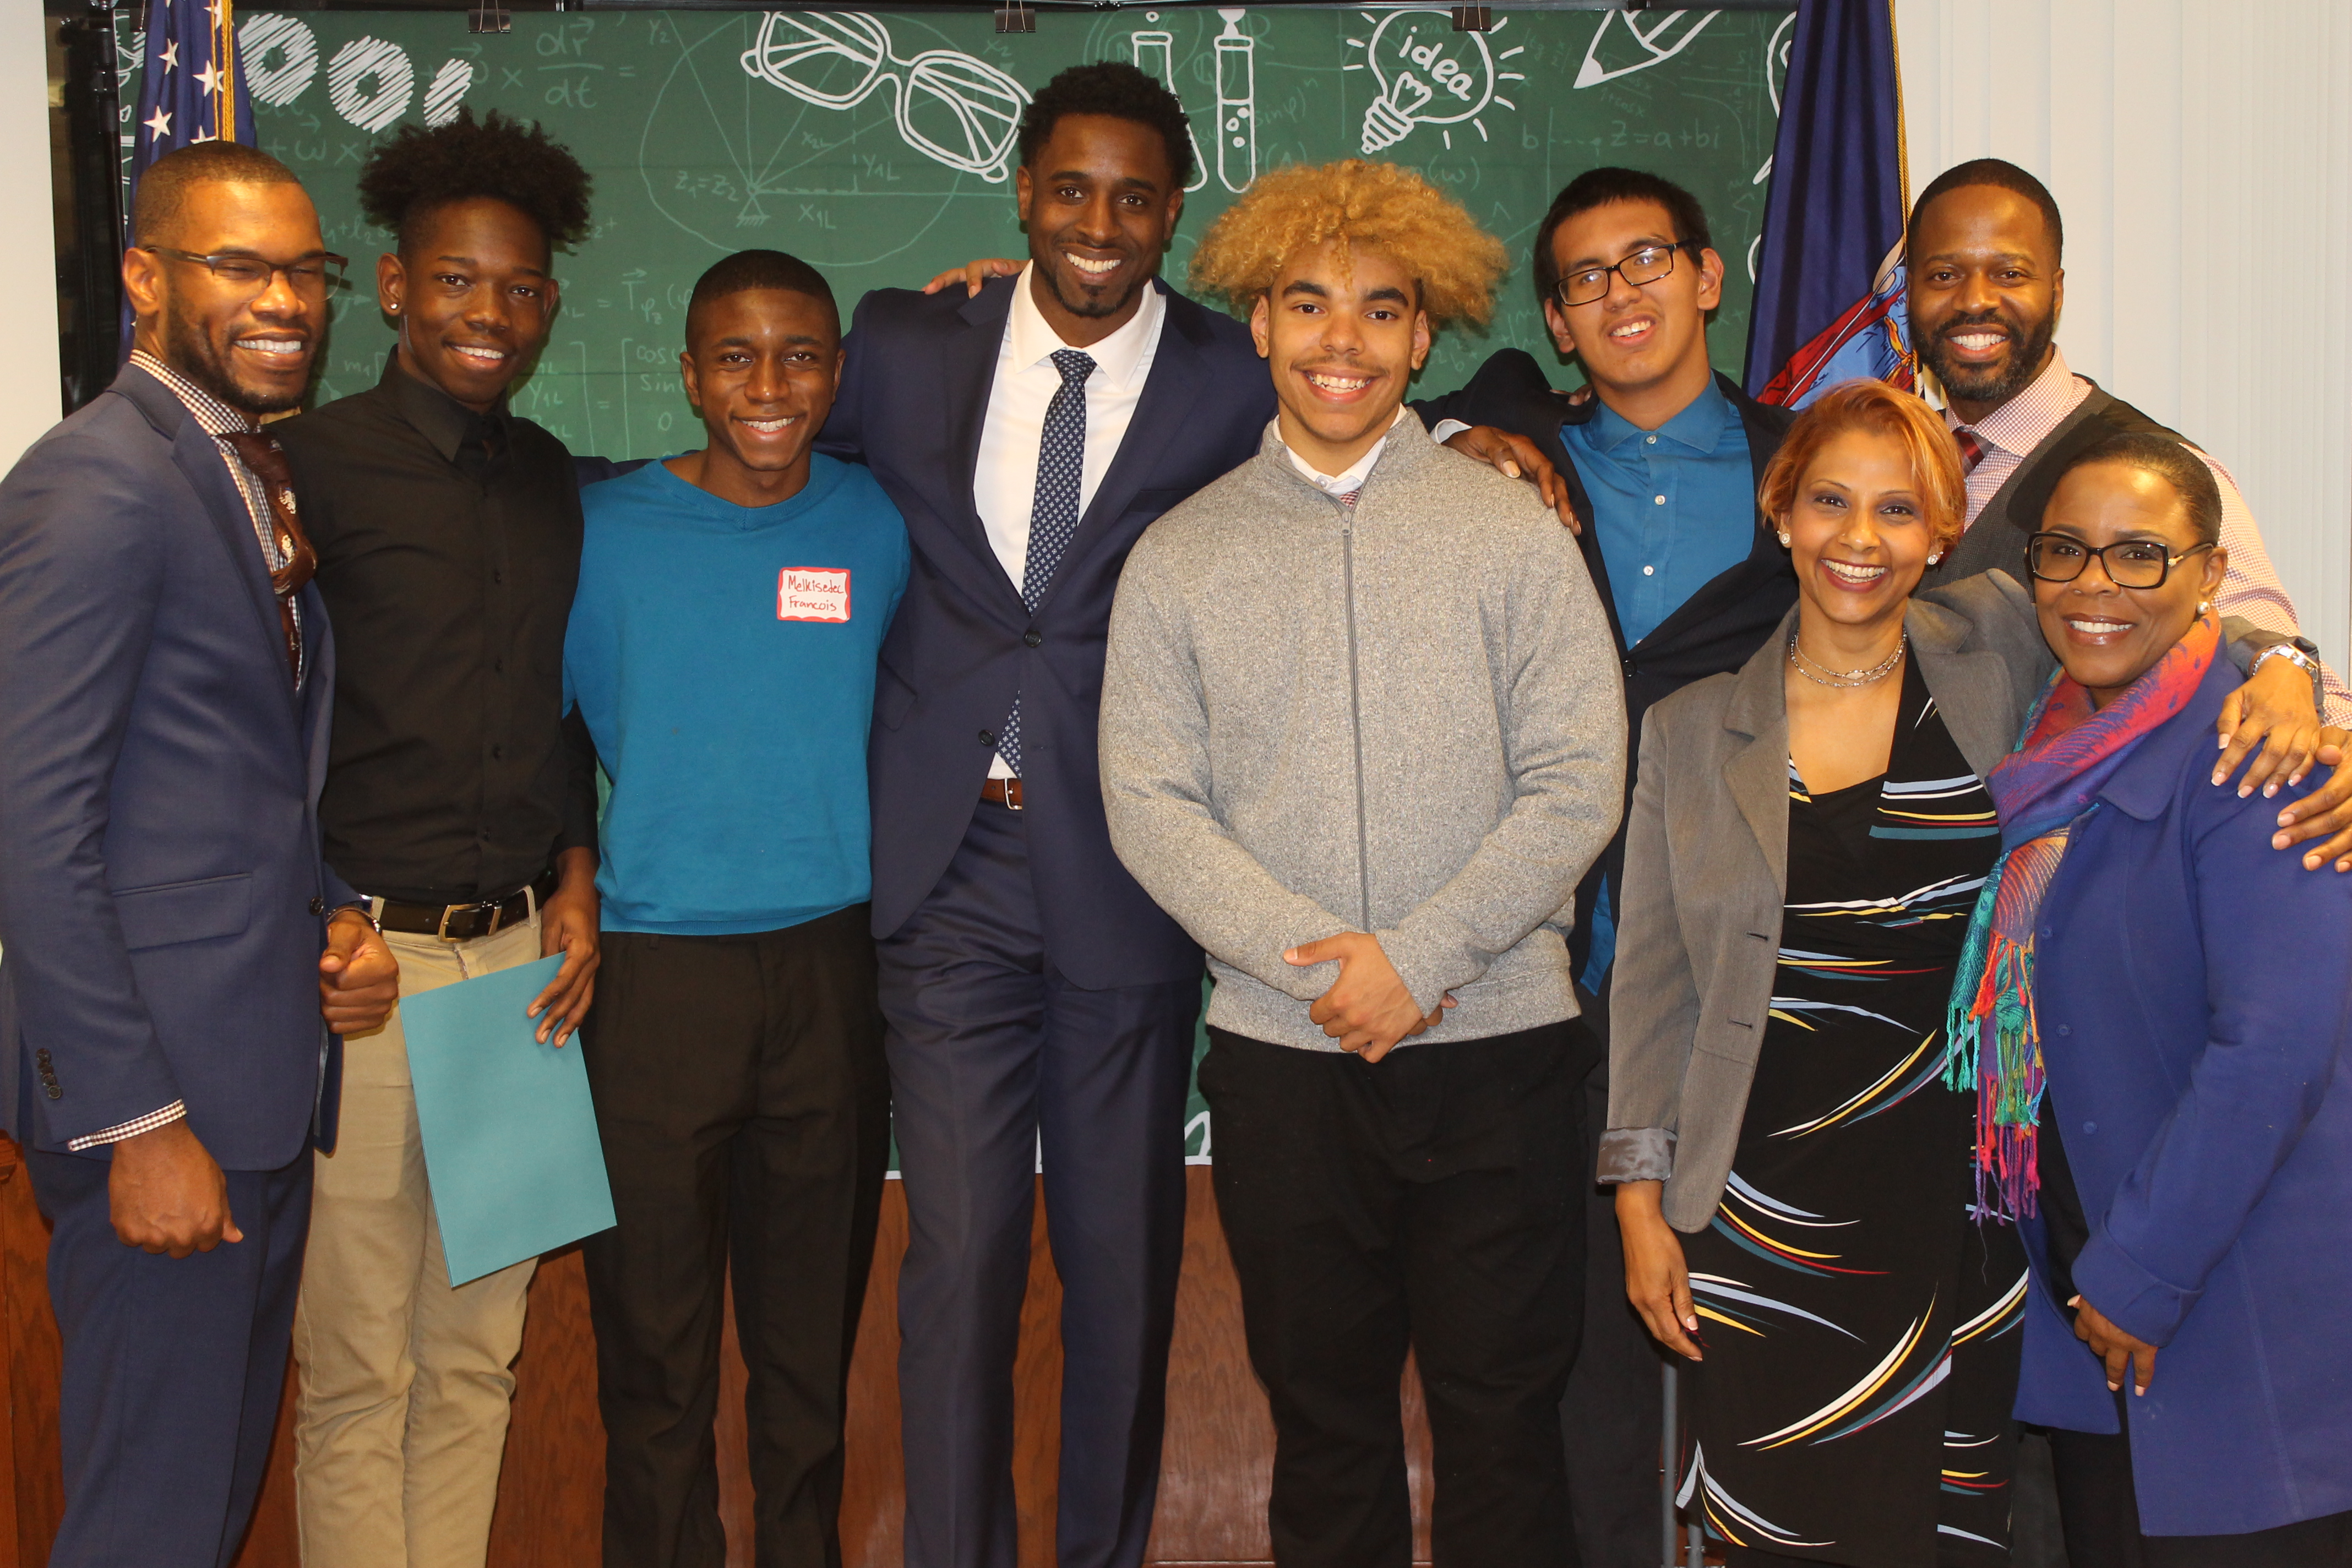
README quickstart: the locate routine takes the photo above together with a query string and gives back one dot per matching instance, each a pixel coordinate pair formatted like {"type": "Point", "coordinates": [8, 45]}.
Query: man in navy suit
{"type": "Point", "coordinates": [164, 915]}
{"type": "Point", "coordinates": [1040, 1007]}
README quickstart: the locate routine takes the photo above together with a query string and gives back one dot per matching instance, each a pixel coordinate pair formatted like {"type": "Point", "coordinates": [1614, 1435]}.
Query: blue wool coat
{"type": "Point", "coordinates": [2195, 993]}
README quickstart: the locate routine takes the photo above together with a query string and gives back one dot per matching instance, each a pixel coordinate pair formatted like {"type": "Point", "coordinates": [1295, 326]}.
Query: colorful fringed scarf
{"type": "Point", "coordinates": [2066, 756]}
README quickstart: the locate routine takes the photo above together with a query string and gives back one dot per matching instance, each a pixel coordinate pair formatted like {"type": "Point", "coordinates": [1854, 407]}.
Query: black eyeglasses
{"type": "Point", "coordinates": [315, 275]}
{"type": "Point", "coordinates": [2129, 562]}
{"type": "Point", "coordinates": [1646, 265]}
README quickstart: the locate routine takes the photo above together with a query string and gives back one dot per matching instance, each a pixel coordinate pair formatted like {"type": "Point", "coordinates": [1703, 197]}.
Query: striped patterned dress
{"type": "Point", "coordinates": [1860, 1329]}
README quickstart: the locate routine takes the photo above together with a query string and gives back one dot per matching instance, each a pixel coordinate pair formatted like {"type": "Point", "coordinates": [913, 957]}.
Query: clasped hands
{"type": "Point", "coordinates": [1367, 1009]}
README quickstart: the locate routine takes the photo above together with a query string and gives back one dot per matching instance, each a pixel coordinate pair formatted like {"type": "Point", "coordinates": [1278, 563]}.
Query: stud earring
{"type": "Point", "coordinates": [2204, 606]}
{"type": "Point", "coordinates": [1784, 536]}
{"type": "Point", "coordinates": [1939, 555]}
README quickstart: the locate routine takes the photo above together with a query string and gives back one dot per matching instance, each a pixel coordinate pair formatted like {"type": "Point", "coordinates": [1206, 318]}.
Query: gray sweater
{"type": "Point", "coordinates": [1405, 721]}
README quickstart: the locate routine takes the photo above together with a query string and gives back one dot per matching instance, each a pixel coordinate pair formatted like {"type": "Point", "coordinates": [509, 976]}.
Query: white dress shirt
{"type": "Point", "coordinates": [1340, 484]}
{"type": "Point", "coordinates": [1004, 481]}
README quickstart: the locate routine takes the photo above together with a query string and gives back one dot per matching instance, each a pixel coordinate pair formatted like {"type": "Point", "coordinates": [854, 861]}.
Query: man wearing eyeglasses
{"type": "Point", "coordinates": [1660, 465]}
{"type": "Point", "coordinates": [166, 675]}
{"type": "Point", "coordinates": [1985, 293]}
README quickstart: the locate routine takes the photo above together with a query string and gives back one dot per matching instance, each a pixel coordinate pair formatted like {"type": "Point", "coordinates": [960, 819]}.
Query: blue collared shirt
{"type": "Point", "coordinates": [1672, 509]}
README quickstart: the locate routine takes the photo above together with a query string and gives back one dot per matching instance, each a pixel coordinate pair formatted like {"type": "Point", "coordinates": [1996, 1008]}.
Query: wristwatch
{"type": "Point", "coordinates": [2301, 652]}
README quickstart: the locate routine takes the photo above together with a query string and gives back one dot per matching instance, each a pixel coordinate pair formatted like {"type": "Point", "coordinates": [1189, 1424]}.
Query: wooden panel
{"type": "Point", "coordinates": [1213, 1479]}
{"type": "Point", "coordinates": [29, 1400]}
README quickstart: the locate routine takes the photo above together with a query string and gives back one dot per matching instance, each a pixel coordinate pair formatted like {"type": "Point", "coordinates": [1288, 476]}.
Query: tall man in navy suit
{"type": "Point", "coordinates": [1039, 1004]}
{"type": "Point", "coordinates": [171, 936]}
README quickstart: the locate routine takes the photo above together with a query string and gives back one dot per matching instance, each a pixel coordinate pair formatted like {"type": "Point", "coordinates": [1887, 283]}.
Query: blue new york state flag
{"type": "Point", "coordinates": [1830, 274]}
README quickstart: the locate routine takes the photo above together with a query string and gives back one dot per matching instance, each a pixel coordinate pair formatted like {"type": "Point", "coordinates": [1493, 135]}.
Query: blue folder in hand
{"type": "Point", "coordinates": [509, 1132]}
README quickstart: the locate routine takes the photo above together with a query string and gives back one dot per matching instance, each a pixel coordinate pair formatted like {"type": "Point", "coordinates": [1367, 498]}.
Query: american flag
{"type": "Point", "coordinates": [190, 88]}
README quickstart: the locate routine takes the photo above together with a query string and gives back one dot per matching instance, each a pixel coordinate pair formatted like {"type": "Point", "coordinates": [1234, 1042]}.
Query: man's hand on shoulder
{"type": "Point", "coordinates": [166, 1195]}
{"type": "Point", "coordinates": [1521, 459]}
{"type": "Point", "coordinates": [1367, 1009]}
{"type": "Point", "coordinates": [568, 925]}
{"type": "Point", "coordinates": [359, 978]}
{"type": "Point", "coordinates": [975, 273]}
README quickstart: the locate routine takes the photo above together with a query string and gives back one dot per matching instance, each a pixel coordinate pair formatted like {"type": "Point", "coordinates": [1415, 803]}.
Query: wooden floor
{"type": "Point", "coordinates": [1213, 1479]}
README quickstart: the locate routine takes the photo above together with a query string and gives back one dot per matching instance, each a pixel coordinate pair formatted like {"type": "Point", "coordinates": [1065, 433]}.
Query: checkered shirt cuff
{"type": "Point", "coordinates": [176, 1111]}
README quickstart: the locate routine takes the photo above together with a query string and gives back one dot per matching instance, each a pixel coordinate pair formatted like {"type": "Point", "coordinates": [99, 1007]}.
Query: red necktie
{"type": "Point", "coordinates": [262, 454]}
{"type": "Point", "coordinates": [1971, 449]}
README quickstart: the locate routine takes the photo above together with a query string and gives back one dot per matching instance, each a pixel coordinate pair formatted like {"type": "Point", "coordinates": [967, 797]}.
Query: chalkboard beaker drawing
{"type": "Point", "coordinates": [1623, 45]}
{"type": "Point", "coordinates": [1154, 57]}
{"type": "Point", "coordinates": [1236, 104]}
{"type": "Point", "coordinates": [954, 108]}
{"type": "Point", "coordinates": [1429, 74]}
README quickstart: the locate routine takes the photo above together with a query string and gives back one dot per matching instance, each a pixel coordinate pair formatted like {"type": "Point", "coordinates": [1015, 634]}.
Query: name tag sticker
{"type": "Point", "coordinates": [812, 594]}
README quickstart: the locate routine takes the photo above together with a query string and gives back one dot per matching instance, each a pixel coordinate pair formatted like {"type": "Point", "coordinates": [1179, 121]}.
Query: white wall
{"type": "Point", "coordinates": [28, 262]}
{"type": "Point", "coordinates": [2201, 153]}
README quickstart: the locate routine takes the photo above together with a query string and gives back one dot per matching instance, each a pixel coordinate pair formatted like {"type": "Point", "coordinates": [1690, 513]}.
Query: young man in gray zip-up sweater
{"type": "Point", "coordinates": [1361, 734]}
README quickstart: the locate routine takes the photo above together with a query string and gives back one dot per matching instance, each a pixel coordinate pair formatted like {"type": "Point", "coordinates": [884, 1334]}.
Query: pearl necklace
{"type": "Point", "coordinates": [1845, 680]}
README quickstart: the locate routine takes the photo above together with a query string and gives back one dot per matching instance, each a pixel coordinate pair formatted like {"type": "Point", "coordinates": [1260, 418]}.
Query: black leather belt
{"type": "Point", "coordinates": [463, 922]}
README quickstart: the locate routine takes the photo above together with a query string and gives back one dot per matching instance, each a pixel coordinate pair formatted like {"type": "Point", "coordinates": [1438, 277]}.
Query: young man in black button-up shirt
{"type": "Point", "coordinates": [448, 534]}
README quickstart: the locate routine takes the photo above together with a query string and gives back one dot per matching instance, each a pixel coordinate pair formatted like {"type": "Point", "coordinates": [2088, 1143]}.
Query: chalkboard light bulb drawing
{"type": "Point", "coordinates": [1429, 75]}
{"type": "Point", "coordinates": [953, 108]}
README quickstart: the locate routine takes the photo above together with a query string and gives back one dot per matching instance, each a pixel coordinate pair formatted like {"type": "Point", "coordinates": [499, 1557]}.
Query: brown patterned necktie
{"type": "Point", "coordinates": [267, 458]}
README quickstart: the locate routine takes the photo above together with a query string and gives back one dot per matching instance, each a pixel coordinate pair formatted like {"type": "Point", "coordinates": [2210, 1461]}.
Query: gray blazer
{"type": "Point", "coordinates": [1707, 874]}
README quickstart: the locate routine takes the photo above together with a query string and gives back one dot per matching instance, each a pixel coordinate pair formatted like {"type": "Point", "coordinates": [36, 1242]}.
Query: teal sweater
{"type": "Point", "coordinates": [723, 658]}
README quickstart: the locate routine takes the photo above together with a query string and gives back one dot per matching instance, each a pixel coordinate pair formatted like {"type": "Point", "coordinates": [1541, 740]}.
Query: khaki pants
{"type": "Point", "coordinates": [401, 1419]}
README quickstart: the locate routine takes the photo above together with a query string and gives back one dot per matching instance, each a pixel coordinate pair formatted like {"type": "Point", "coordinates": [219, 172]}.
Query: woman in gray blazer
{"type": "Point", "coordinates": [1806, 843]}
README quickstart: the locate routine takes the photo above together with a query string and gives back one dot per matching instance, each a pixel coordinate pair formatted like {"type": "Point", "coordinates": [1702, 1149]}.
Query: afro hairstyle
{"type": "Point", "coordinates": [1384, 207]}
{"type": "Point", "coordinates": [749, 270]}
{"type": "Point", "coordinates": [1119, 91]}
{"type": "Point", "coordinates": [424, 168]}
{"type": "Point", "coordinates": [161, 198]}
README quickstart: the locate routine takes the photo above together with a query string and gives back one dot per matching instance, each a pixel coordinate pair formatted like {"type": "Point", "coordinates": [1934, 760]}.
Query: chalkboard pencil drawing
{"type": "Point", "coordinates": [369, 82]}
{"type": "Point", "coordinates": [1154, 57]}
{"type": "Point", "coordinates": [1236, 104]}
{"type": "Point", "coordinates": [1624, 44]}
{"type": "Point", "coordinates": [1429, 75]}
{"type": "Point", "coordinates": [954, 108]}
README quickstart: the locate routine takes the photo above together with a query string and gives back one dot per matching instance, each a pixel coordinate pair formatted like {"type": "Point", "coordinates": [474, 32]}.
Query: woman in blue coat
{"type": "Point", "coordinates": [2155, 1010]}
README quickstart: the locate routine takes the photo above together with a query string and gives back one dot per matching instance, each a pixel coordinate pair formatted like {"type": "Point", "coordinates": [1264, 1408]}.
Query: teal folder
{"type": "Point", "coordinates": [509, 1132]}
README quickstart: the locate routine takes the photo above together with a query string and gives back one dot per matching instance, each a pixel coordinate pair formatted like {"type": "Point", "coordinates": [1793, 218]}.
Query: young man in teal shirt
{"type": "Point", "coordinates": [722, 651]}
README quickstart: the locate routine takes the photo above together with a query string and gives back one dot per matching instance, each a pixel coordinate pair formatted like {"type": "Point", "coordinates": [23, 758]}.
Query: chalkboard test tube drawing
{"type": "Point", "coordinates": [1236, 104]}
{"type": "Point", "coordinates": [1155, 58]}
{"type": "Point", "coordinates": [1429, 75]}
{"type": "Point", "coordinates": [953, 108]}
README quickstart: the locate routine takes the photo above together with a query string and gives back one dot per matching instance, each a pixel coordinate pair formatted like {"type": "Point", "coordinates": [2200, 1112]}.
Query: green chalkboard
{"type": "Point", "coordinates": [875, 145]}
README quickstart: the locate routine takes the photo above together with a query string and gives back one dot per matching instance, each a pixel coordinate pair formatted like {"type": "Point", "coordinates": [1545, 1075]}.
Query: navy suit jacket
{"type": "Point", "coordinates": [161, 889]}
{"type": "Point", "coordinates": [913, 397]}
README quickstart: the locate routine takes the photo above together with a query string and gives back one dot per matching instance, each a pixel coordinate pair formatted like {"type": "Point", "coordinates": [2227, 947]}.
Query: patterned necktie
{"type": "Point", "coordinates": [267, 458]}
{"type": "Point", "coordinates": [1971, 449]}
{"type": "Point", "coordinates": [1054, 513]}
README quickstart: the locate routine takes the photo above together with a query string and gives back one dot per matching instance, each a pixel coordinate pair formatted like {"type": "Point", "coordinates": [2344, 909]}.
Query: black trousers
{"type": "Point", "coordinates": [744, 1106]}
{"type": "Point", "coordinates": [2098, 1508]}
{"type": "Point", "coordinates": [1431, 1201]}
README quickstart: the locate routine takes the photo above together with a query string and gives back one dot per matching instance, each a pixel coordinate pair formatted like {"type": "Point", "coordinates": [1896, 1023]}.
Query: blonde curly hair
{"type": "Point", "coordinates": [1384, 207]}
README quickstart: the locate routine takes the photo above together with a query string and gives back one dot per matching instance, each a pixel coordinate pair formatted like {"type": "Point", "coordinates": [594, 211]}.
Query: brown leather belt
{"type": "Point", "coordinates": [464, 922]}
{"type": "Point", "coordinates": [1003, 792]}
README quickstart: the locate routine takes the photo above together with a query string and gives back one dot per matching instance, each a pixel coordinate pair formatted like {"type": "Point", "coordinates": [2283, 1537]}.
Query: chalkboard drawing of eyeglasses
{"type": "Point", "coordinates": [950, 107]}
